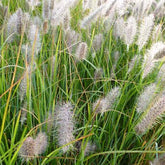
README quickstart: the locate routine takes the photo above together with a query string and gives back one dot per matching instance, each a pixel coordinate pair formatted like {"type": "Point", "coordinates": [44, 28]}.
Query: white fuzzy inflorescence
{"type": "Point", "coordinates": [154, 54]}
{"type": "Point", "coordinates": [146, 98]}
{"type": "Point", "coordinates": [157, 32]}
{"type": "Point", "coordinates": [33, 147]}
{"type": "Point", "coordinates": [65, 125]}
{"type": "Point", "coordinates": [150, 119]}
{"type": "Point", "coordinates": [98, 74]}
{"type": "Point", "coordinates": [97, 42]}
{"type": "Point", "coordinates": [81, 51]}
{"type": "Point", "coordinates": [72, 38]}
{"type": "Point", "coordinates": [98, 11]}
{"type": "Point", "coordinates": [59, 11]}
{"type": "Point", "coordinates": [142, 8]}
{"type": "Point", "coordinates": [130, 31]}
{"type": "Point", "coordinates": [119, 28]}
{"type": "Point", "coordinates": [107, 103]}
{"type": "Point", "coordinates": [40, 143]}
{"type": "Point", "coordinates": [145, 30]}
{"type": "Point", "coordinates": [34, 38]}
{"type": "Point", "coordinates": [27, 150]}
{"type": "Point", "coordinates": [14, 25]}
{"type": "Point", "coordinates": [24, 83]}
{"type": "Point", "coordinates": [23, 113]}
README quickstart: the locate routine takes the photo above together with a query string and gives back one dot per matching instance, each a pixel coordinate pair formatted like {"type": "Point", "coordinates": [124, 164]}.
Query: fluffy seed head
{"type": "Point", "coordinates": [98, 74]}
{"type": "Point", "coordinates": [119, 28]}
{"type": "Point", "coordinates": [157, 32]}
{"type": "Point", "coordinates": [97, 42]}
{"type": "Point", "coordinates": [23, 113]}
{"type": "Point", "coordinates": [59, 11]}
{"type": "Point", "coordinates": [64, 125]}
{"type": "Point", "coordinates": [130, 31]}
{"type": "Point", "coordinates": [27, 150]}
{"type": "Point", "coordinates": [106, 103]}
{"type": "Point", "coordinates": [152, 116]}
{"type": "Point", "coordinates": [91, 17]}
{"type": "Point", "coordinates": [142, 8]}
{"type": "Point", "coordinates": [81, 51]}
{"type": "Point", "coordinates": [33, 147]}
{"type": "Point", "coordinates": [71, 38]}
{"type": "Point", "coordinates": [14, 25]}
{"type": "Point", "coordinates": [24, 83]}
{"type": "Point", "coordinates": [66, 20]}
{"type": "Point", "coordinates": [145, 30]}
{"type": "Point", "coordinates": [34, 38]}
{"type": "Point", "coordinates": [146, 97]}
{"type": "Point", "coordinates": [155, 53]}
{"type": "Point", "coordinates": [40, 143]}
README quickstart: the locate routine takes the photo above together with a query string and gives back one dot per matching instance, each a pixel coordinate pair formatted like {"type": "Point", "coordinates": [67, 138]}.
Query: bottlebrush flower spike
{"type": "Point", "coordinates": [130, 31]}
{"type": "Point", "coordinates": [157, 50]}
{"type": "Point", "coordinates": [33, 3]}
{"type": "Point", "coordinates": [142, 8]}
{"type": "Point", "coordinates": [65, 125]}
{"type": "Point", "coordinates": [33, 147]}
{"type": "Point", "coordinates": [119, 28]}
{"type": "Point", "coordinates": [23, 113]}
{"type": "Point", "coordinates": [34, 38]}
{"type": "Point", "coordinates": [91, 17]}
{"type": "Point", "coordinates": [98, 74]}
{"type": "Point", "coordinates": [145, 30]}
{"type": "Point", "coordinates": [146, 97]}
{"type": "Point", "coordinates": [66, 20]}
{"type": "Point", "coordinates": [60, 10]}
{"type": "Point", "coordinates": [27, 150]}
{"type": "Point", "coordinates": [153, 115]}
{"type": "Point", "coordinates": [71, 38]}
{"type": "Point", "coordinates": [40, 143]}
{"type": "Point", "coordinates": [86, 22]}
{"type": "Point", "coordinates": [81, 51]}
{"type": "Point", "coordinates": [97, 42]}
{"type": "Point", "coordinates": [14, 25]}
{"type": "Point", "coordinates": [24, 83]}
{"type": "Point", "coordinates": [154, 54]}
{"type": "Point", "coordinates": [157, 32]}
{"type": "Point", "coordinates": [159, 9]}
{"type": "Point", "coordinates": [106, 103]}
{"type": "Point", "coordinates": [114, 65]}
